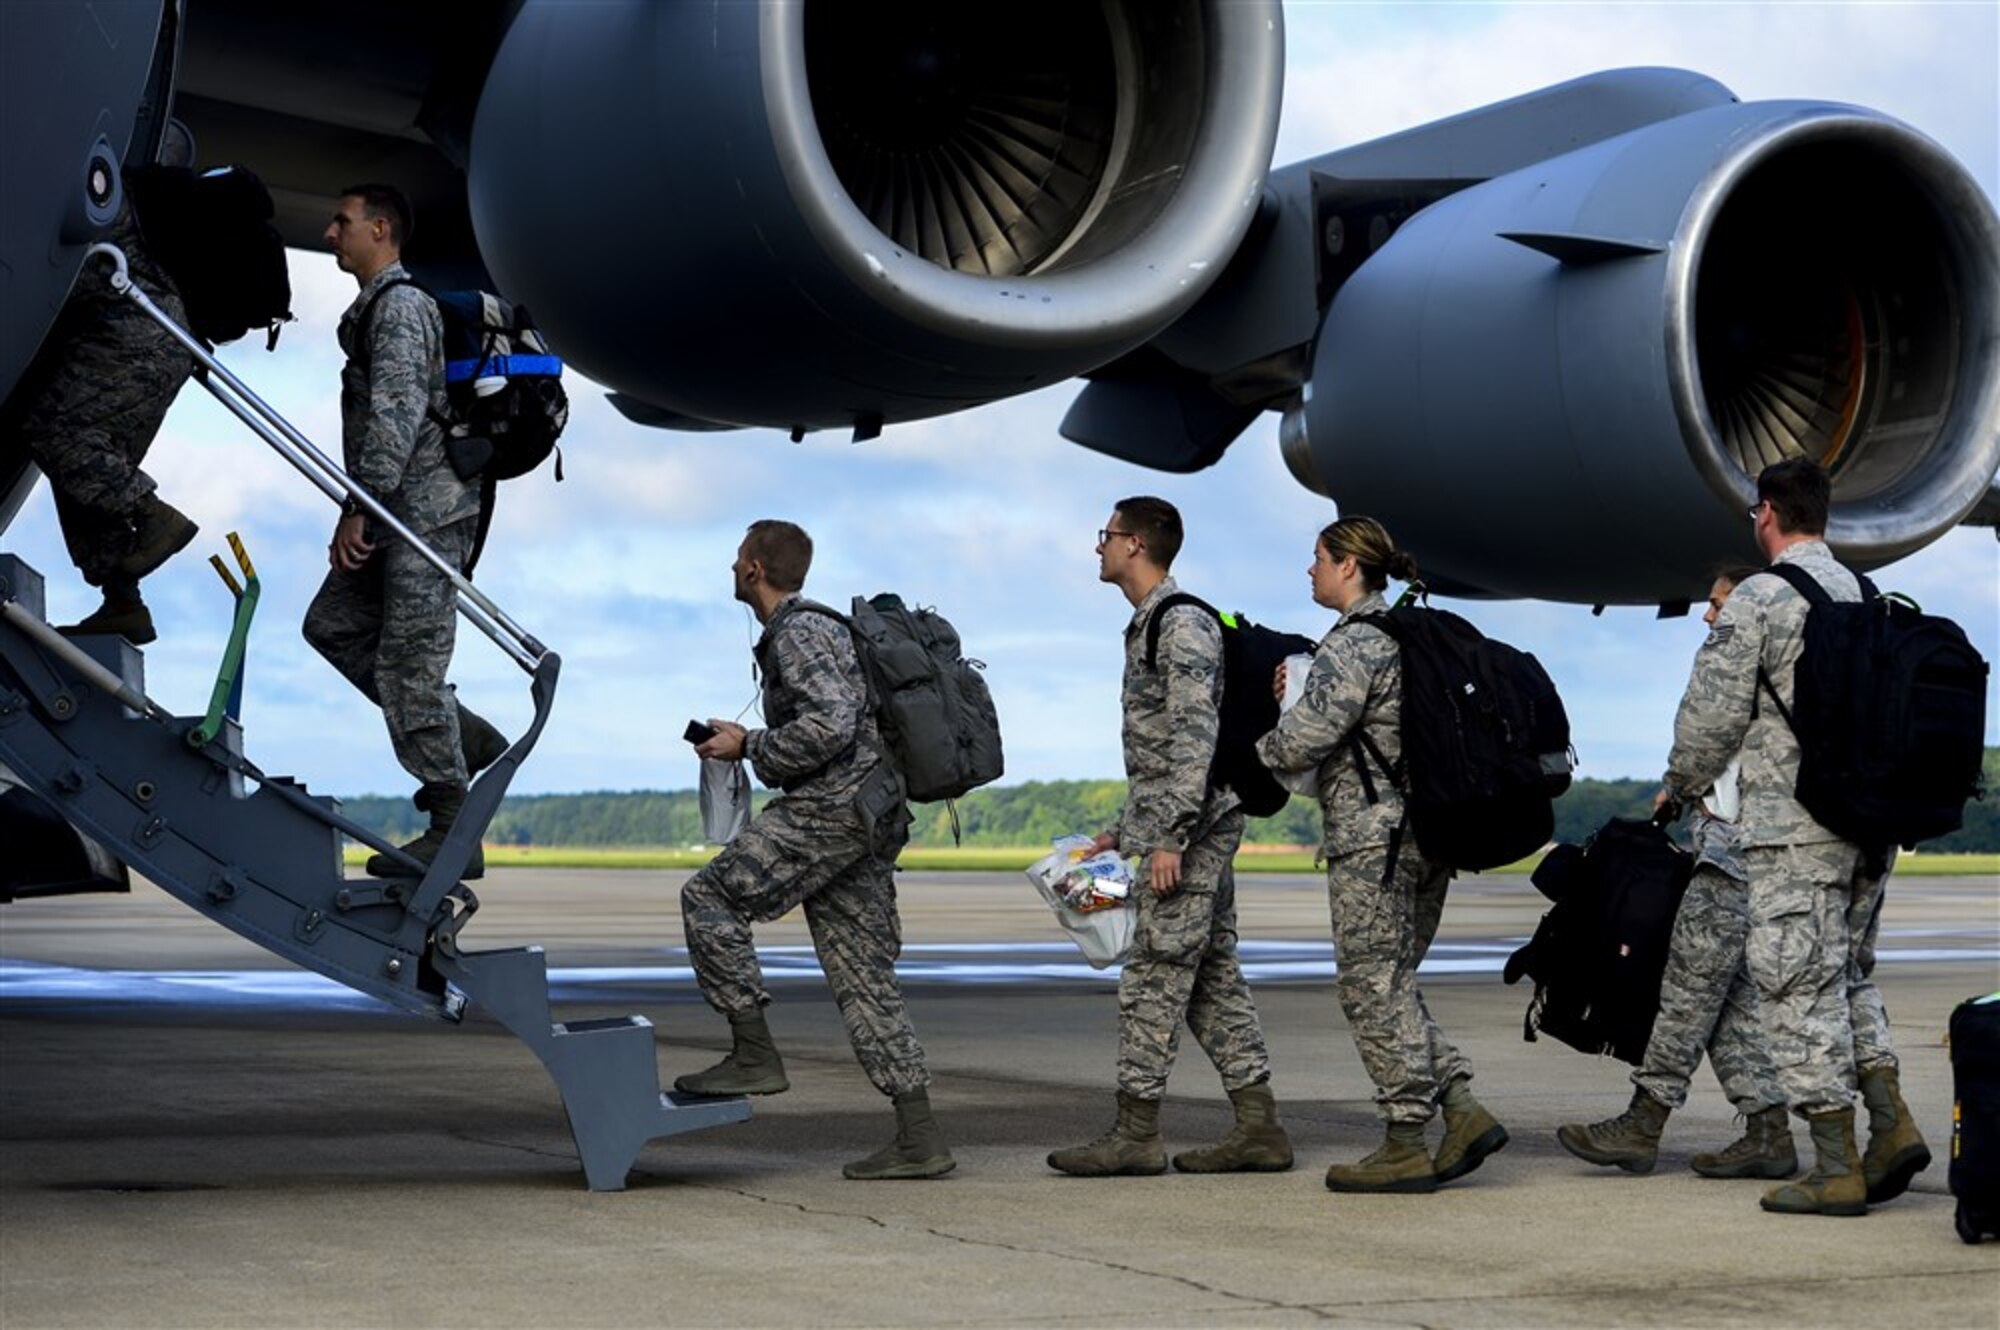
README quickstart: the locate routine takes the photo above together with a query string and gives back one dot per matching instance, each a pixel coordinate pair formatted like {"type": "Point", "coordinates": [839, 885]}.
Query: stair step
{"type": "Point", "coordinates": [601, 1025]}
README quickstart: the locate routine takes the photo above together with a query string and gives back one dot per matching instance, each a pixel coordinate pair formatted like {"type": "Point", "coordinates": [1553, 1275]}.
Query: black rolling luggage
{"type": "Point", "coordinates": [1598, 956]}
{"type": "Point", "coordinates": [1975, 1116]}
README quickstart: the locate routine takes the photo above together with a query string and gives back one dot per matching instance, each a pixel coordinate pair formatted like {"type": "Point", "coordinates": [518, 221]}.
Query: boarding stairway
{"type": "Point", "coordinates": [177, 799]}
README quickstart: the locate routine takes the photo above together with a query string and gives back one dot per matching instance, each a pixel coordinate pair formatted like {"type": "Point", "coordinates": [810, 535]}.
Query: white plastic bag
{"type": "Point", "coordinates": [725, 800]}
{"type": "Point", "coordinates": [1104, 933]}
{"type": "Point", "coordinates": [1296, 670]}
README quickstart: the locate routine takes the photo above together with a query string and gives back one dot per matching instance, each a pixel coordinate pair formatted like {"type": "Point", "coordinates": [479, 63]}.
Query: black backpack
{"type": "Point", "coordinates": [1485, 741]}
{"type": "Point", "coordinates": [1251, 655]}
{"type": "Point", "coordinates": [212, 232]}
{"type": "Point", "coordinates": [1889, 706]}
{"type": "Point", "coordinates": [1598, 956]}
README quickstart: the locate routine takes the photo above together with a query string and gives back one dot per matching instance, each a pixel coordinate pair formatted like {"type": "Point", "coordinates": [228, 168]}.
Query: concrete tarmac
{"type": "Point", "coordinates": [192, 1134]}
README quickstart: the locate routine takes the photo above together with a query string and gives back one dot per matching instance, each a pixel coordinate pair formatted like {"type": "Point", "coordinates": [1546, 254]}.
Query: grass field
{"type": "Point", "coordinates": [985, 859]}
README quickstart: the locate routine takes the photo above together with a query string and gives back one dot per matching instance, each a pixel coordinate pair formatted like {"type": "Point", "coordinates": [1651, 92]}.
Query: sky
{"type": "Point", "coordinates": [623, 568]}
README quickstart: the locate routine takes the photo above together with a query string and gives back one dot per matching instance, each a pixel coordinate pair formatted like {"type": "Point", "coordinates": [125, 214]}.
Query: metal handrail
{"type": "Point", "coordinates": [285, 440]}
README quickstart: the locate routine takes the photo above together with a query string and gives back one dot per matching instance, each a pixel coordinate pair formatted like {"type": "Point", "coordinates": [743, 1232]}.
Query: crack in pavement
{"type": "Point", "coordinates": [1272, 1304]}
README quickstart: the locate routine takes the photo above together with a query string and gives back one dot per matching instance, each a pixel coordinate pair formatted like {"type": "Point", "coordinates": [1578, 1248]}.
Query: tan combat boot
{"type": "Point", "coordinates": [1130, 1149]}
{"type": "Point", "coordinates": [917, 1152]}
{"type": "Point", "coordinates": [1401, 1164]}
{"type": "Point", "coordinates": [1836, 1185]}
{"type": "Point", "coordinates": [444, 802]}
{"type": "Point", "coordinates": [1896, 1150]}
{"type": "Point", "coordinates": [1763, 1151]}
{"type": "Point", "coordinates": [1256, 1144]}
{"type": "Point", "coordinates": [1470, 1133]}
{"type": "Point", "coordinates": [1630, 1141]}
{"type": "Point", "coordinates": [119, 617]}
{"type": "Point", "coordinates": [160, 531]}
{"type": "Point", "coordinates": [752, 1067]}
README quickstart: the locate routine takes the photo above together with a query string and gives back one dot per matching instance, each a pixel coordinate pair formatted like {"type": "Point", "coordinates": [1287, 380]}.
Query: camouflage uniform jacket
{"type": "Point", "coordinates": [1356, 683]}
{"type": "Point", "coordinates": [393, 445]}
{"type": "Point", "coordinates": [821, 741]}
{"type": "Point", "coordinates": [1171, 722]}
{"type": "Point", "coordinates": [1725, 709]}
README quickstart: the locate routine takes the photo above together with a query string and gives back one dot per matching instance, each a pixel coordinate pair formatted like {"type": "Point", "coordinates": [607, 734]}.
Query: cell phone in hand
{"type": "Point", "coordinates": [698, 733]}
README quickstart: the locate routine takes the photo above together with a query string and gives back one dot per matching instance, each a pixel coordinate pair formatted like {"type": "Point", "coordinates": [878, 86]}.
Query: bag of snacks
{"type": "Point", "coordinates": [1090, 896]}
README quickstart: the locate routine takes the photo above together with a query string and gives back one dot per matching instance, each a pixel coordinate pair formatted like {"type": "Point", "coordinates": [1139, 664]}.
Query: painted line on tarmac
{"type": "Point", "coordinates": [970, 963]}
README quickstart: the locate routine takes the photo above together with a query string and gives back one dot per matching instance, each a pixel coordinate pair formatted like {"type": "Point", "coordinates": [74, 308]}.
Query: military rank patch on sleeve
{"type": "Point", "coordinates": [1719, 635]}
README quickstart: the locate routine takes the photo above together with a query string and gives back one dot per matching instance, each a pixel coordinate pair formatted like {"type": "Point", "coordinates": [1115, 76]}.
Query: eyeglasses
{"type": "Point", "coordinates": [1756, 508]}
{"type": "Point", "coordinates": [1104, 535]}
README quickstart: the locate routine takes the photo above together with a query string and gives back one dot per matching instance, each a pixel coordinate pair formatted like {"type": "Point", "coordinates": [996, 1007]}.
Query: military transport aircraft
{"type": "Point", "coordinates": [1598, 309]}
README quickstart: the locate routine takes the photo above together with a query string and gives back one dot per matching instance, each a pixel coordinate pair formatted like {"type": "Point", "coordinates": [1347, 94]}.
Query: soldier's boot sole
{"type": "Point", "coordinates": [1092, 1162]}
{"type": "Point", "coordinates": [1898, 1173]}
{"type": "Point", "coordinates": [381, 865]}
{"type": "Point", "coordinates": [1577, 1141]}
{"type": "Point", "coordinates": [1489, 1142]}
{"type": "Point", "coordinates": [1267, 1150]}
{"type": "Point", "coordinates": [134, 624]}
{"type": "Point", "coordinates": [728, 1081]}
{"type": "Point", "coordinates": [875, 1168]}
{"type": "Point", "coordinates": [1802, 1198]}
{"type": "Point", "coordinates": [1342, 1178]}
{"type": "Point", "coordinates": [1770, 1170]}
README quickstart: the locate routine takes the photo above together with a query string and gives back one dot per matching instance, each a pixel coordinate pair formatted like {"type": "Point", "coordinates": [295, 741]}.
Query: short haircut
{"type": "Point", "coordinates": [1156, 523]}
{"type": "Point", "coordinates": [784, 549]}
{"type": "Point", "coordinates": [390, 203]}
{"type": "Point", "coordinates": [1734, 573]}
{"type": "Point", "coordinates": [1799, 493]}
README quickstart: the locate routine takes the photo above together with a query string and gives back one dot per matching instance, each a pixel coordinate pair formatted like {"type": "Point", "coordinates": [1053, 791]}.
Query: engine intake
{"type": "Point", "coordinates": [1600, 352]}
{"type": "Point", "coordinates": [800, 214]}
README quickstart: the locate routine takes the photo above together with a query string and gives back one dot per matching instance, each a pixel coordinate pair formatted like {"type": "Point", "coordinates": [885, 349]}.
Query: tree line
{"type": "Point", "coordinates": [1032, 813]}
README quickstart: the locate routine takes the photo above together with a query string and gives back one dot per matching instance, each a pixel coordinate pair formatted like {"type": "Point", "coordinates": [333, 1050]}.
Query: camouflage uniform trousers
{"type": "Point", "coordinates": [815, 853]}
{"type": "Point", "coordinates": [1184, 967]}
{"type": "Point", "coordinates": [1872, 1045]}
{"type": "Point", "coordinates": [1380, 933]}
{"type": "Point", "coordinates": [1708, 1002]}
{"type": "Point", "coordinates": [1806, 960]}
{"type": "Point", "coordinates": [113, 374]}
{"type": "Point", "coordinates": [389, 629]}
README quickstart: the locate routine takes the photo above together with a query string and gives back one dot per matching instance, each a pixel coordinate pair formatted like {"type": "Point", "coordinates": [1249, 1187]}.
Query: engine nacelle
{"type": "Point", "coordinates": [808, 214]}
{"type": "Point", "coordinates": [1596, 355]}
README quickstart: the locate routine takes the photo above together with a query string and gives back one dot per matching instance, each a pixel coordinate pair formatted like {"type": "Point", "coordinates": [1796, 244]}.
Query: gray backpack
{"type": "Point", "coordinates": [932, 704]}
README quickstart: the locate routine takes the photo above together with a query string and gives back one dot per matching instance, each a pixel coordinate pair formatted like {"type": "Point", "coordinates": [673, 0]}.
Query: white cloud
{"type": "Point", "coordinates": [988, 514]}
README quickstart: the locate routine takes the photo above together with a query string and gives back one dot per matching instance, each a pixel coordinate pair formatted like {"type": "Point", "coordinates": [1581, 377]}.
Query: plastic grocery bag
{"type": "Point", "coordinates": [725, 800]}
{"type": "Point", "coordinates": [1296, 669]}
{"type": "Point", "coordinates": [1070, 876]}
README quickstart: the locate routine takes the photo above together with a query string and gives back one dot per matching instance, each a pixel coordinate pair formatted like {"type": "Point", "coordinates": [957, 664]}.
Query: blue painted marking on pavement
{"type": "Point", "coordinates": [983, 963]}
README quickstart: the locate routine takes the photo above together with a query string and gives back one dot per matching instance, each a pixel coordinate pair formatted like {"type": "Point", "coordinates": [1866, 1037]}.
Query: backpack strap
{"type": "Point", "coordinates": [444, 422]}
{"type": "Point", "coordinates": [367, 313]}
{"type": "Point", "coordinates": [1815, 595]}
{"type": "Point", "coordinates": [1175, 601]}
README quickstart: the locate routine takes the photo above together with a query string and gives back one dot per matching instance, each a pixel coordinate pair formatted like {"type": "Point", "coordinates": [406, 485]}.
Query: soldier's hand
{"type": "Point", "coordinates": [1106, 840]}
{"type": "Point", "coordinates": [727, 743]}
{"type": "Point", "coordinates": [351, 546]}
{"type": "Point", "coordinates": [1165, 867]}
{"type": "Point", "coordinates": [1278, 683]}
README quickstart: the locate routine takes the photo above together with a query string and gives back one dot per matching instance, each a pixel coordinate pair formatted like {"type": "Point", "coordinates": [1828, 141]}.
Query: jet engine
{"type": "Point", "coordinates": [1596, 355]}
{"type": "Point", "coordinates": [814, 215]}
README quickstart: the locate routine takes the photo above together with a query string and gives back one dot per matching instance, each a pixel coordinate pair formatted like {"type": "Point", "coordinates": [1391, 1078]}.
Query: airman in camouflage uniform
{"type": "Point", "coordinates": [1183, 965]}
{"type": "Point", "coordinates": [89, 410]}
{"type": "Point", "coordinates": [385, 618]}
{"type": "Point", "coordinates": [1707, 1001]}
{"type": "Point", "coordinates": [828, 843]}
{"type": "Point", "coordinates": [1386, 897]}
{"type": "Point", "coordinates": [1804, 954]}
